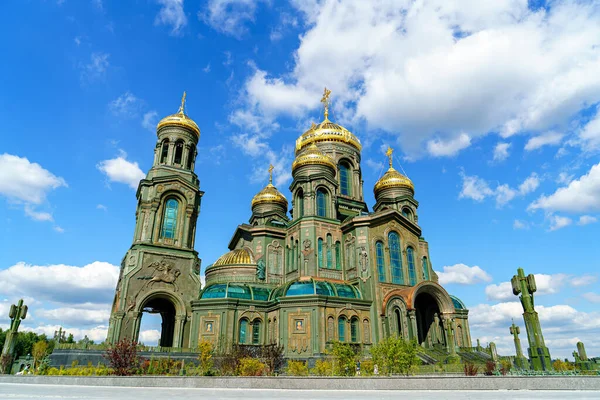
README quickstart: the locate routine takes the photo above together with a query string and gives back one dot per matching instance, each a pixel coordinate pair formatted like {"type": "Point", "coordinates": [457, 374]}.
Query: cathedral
{"type": "Point", "coordinates": [302, 273]}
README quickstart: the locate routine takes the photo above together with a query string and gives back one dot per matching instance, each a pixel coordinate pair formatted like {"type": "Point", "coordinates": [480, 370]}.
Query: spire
{"type": "Point", "coordinates": [325, 101]}
{"type": "Point", "coordinates": [182, 106]}
{"type": "Point", "coordinates": [271, 174]}
{"type": "Point", "coordinates": [388, 153]}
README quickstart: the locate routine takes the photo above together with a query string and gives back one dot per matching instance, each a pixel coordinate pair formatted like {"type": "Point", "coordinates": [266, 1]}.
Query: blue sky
{"type": "Point", "coordinates": [493, 110]}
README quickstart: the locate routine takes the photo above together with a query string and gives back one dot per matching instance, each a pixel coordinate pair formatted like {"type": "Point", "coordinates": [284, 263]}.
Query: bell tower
{"type": "Point", "coordinates": [160, 273]}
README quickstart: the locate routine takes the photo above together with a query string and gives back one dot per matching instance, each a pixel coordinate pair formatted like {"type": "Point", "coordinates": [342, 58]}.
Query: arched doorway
{"type": "Point", "coordinates": [429, 327]}
{"type": "Point", "coordinates": [166, 309]}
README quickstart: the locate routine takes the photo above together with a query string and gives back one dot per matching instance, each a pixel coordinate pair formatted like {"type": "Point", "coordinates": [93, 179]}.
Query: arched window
{"type": "Point", "coordinates": [380, 262]}
{"type": "Point", "coordinates": [321, 203]}
{"type": "Point", "coordinates": [242, 331]}
{"type": "Point", "coordinates": [164, 152]}
{"type": "Point", "coordinates": [169, 225]}
{"type": "Point", "coordinates": [256, 332]}
{"type": "Point", "coordinates": [300, 203]}
{"type": "Point", "coordinates": [329, 249]}
{"type": "Point", "coordinates": [320, 252]}
{"type": "Point", "coordinates": [395, 260]}
{"type": "Point", "coordinates": [354, 330]}
{"type": "Point", "coordinates": [345, 179]}
{"type": "Point", "coordinates": [190, 158]}
{"type": "Point", "coordinates": [410, 257]}
{"type": "Point", "coordinates": [407, 213]}
{"type": "Point", "coordinates": [178, 152]}
{"type": "Point", "coordinates": [398, 322]}
{"type": "Point", "coordinates": [338, 255]}
{"type": "Point", "coordinates": [342, 329]}
{"type": "Point", "coordinates": [425, 269]}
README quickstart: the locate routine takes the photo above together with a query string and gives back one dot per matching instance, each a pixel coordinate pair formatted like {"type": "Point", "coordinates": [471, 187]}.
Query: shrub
{"type": "Point", "coordinates": [505, 366]}
{"type": "Point", "coordinates": [367, 367]}
{"type": "Point", "coordinates": [122, 357]}
{"type": "Point", "coordinates": [296, 368]}
{"type": "Point", "coordinates": [471, 369]}
{"type": "Point", "coordinates": [205, 358]}
{"type": "Point", "coordinates": [394, 355]}
{"type": "Point", "coordinates": [561, 366]}
{"type": "Point", "coordinates": [345, 359]}
{"type": "Point", "coordinates": [251, 367]}
{"type": "Point", "coordinates": [490, 367]}
{"type": "Point", "coordinates": [322, 368]}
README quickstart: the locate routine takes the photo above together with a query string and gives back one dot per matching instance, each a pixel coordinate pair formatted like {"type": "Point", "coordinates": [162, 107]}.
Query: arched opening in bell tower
{"type": "Point", "coordinates": [429, 327]}
{"type": "Point", "coordinates": [165, 309]}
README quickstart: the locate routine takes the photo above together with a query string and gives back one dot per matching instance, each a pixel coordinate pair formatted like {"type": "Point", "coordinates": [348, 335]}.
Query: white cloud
{"type": "Point", "coordinates": [149, 337]}
{"type": "Point", "coordinates": [206, 69]}
{"type": "Point", "coordinates": [126, 105]}
{"type": "Point", "coordinates": [448, 148]}
{"type": "Point", "coordinates": [587, 219]}
{"type": "Point", "coordinates": [590, 133]}
{"type": "Point", "coordinates": [229, 16]}
{"type": "Point", "coordinates": [529, 185]}
{"type": "Point", "coordinates": [546, 139]}
{"type": "Point", "coordinates": [546, 284]}
{"type": "Point", "coordinates": [61, 283]}
{"type": "Point", "coordinates": [591, 297]}
{"type": "Point", "coordinates": [474, 188]}
{"type": "Point", "coordinates": [584, 280]}
{"type": "Point", "coordinates": [98, 4]}
{"type": "Point", "coordinates": [171, 13]}
{"type": "Point", "coordinates": [37, 215]}
{"type": "Point", "coordinates": [150, 120]}
{"type": "Point", "coordinates": [58, 229]}
{"type": "Point", "coordinates": [24, 181]}
{"type": "Point", "coordinates": [102, 207]}
{"type": "Point", "coordinates": [432, 70]}
{"type": "Point", "coordinates": [96, 68]}
{"type": "Point", "coordinates": [120, 170]}
{"type": "Point", "coordinates": [73, 316]}
{"type": "Point", "coordinates": [463, 274]}
{"type": "Point", "coordinates": [376, 166]}
{"type": "Point", "coordinates": [518, 224]}
{"type": "Point", "coordinates": [97, 334]}
{"type": "Point", "coordinates": [501, 152]}
{"type": "Point", "coordinates": [564, 178]}
{"type": "Point", "coordinates": [581, 195]}
{"type": "Point", "coordinates": [478, 189]}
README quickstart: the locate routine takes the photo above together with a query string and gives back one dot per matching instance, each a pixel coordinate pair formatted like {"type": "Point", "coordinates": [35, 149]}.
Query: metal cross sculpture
{"type": "Point", "coordinates": [16, 313]}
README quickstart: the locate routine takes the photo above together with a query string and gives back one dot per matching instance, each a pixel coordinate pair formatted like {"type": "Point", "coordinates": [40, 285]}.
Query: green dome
{"type": "Point", "coordinates": [311, 287]}
{"type": "Point", "coordinates": [235, 291]}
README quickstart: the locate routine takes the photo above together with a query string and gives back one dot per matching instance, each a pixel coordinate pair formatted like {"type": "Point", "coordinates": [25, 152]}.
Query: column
{"type": "Point", "coordinates": [137, 319]}
{"type": "Point", "coordinates": [178, 330]}
{"type": "Point", "coordinates": [412, 315]}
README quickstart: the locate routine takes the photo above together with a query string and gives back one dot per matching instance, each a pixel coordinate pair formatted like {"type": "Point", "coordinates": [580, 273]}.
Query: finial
{"type": "Point", "coordinates": [388, 153]}
{"type": "Point", "coordinates": [325, 101]}
{"type": "Point", "coordinates": [182, 106]}
{"type": "Point", "coordinates": [271, 173]}
{"type": "Point", "coordinates": [313, 125]}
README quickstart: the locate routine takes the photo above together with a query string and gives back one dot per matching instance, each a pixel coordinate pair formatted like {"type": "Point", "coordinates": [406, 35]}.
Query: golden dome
{"type": "Point", "coordinates": [270, 194]}
{"type": "Point", "coordinates": [327, 131]}
{"type": "Point", "coordinates": [392, 178]}
{"type": "Point", "coordinates": [312, 156]}
{"type": "Point", "coordinates": [180, 119]}
{"type": "Point", "coordinates": [235, 257]}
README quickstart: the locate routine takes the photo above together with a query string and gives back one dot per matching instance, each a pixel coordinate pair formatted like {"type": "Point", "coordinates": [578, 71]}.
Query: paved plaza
{"type": "Point", "coordinates": [28, 391]}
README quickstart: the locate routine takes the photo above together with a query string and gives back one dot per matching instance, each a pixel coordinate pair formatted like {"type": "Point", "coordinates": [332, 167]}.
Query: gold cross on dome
{"type": "Point", "coordinates": [182, 106]}
{"type": "Point", "coordinates": [388, 153]}
{"type": "Point", "coordinates": [271, 173]}
{"type": "Point", "coordinates": [325, 101]}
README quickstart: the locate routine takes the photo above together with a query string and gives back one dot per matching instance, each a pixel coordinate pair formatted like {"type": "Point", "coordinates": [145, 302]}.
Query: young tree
{"type": "Point", "coordinates": [39, 352]}
{"type": "Point", "coordinates": [345, 358]}
{"type": "Point", "coordinates": [394, 355]}
{"type": "Point", "coordinates": [122, 357]}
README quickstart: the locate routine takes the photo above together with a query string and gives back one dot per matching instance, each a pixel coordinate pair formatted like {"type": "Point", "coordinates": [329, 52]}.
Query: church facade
{"type": "Point", "coordinates": [303, 275]}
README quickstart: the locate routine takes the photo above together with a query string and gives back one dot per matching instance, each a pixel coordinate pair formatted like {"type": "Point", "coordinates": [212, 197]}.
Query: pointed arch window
{"type": "Point", "coordinates": [321, 203]}
{"type": "Point", "coordinates": [342, 329]}
{"type": "Point", "coordinates": [425, 269]}
{"type": "Point", "coordinates": [344, 178]}
{"type": "Point", "coordinates": [354, 330]}
{"type": "Point", "coordinates": [242, 331]}
{"type": "Point", "coordinates": [379, 259]}
{"type": "Point", "coordinates": [169, 225]}
{"type": "Point", "coordinates": [320, 252]}
{"type": "Point", "coordinates": [164, 152]}
{"type": "Point", "coordinates": [338, 255]}
{"type": "Point", "coordinates": [395, 260]}
{"type": "Point", "coordinates": [329, 252]}
{"type": "Point", "coordinates": [412, 274]}
{"type": "Point", "coordinates": [398, 322]}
